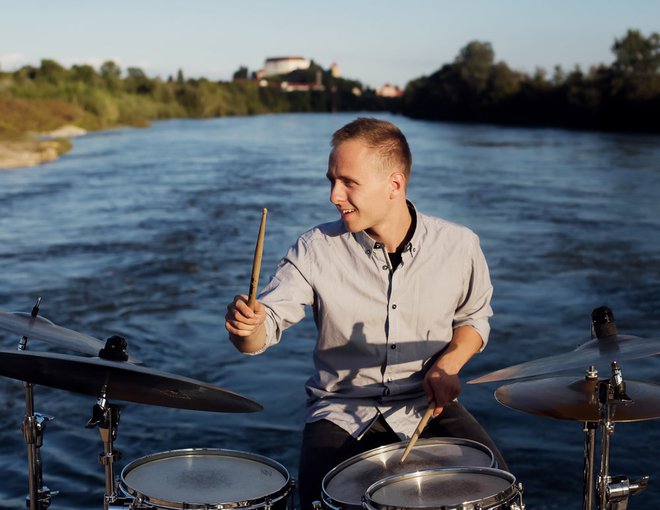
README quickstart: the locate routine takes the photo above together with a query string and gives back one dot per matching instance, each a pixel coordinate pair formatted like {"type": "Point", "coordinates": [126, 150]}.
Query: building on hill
{"type": "Point", "coordinates": [284, 65]}
{"type": "Point", "coordinates": [388, 90]}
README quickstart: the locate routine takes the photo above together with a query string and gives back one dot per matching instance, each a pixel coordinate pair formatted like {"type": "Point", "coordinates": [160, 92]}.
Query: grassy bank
{"type": "Point", "coordinates": [38, 100]}
{"type": "Point", "coordinates": [22, 120]}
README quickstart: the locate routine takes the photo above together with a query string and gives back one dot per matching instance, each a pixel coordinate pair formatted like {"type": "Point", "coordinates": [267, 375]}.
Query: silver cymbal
{"type": "Point", "coordinates": [40, 328]}
{"type": "Point", "coordinates": [568, 398]}
{"type": "Point", "coordinates": [121, 381]}
{"type": "Point", "coordinates": [599, 352]}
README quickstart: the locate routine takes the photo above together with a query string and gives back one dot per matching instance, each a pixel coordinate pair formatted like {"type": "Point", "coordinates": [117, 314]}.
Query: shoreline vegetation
{"type": "Point", "coordinates": [43, 108]}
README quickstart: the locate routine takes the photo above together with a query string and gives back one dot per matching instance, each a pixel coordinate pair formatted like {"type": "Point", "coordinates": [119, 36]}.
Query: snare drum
{"type": "Point", "coordinates": [344, 486]}
{"type": "Point", "coordinates": [446, 489]}
{"type": "Point", "coordinates": [206, 478]}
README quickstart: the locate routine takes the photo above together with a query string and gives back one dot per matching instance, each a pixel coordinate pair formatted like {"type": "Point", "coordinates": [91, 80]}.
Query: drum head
{"type": "Point", "coordinates": [344, 486]}
{"type": "Point", "coordinates": [443, 489]}
{"type": "Point", "coordinates": [201, 478]}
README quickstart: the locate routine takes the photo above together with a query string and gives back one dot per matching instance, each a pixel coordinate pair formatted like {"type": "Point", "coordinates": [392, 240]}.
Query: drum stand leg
{"type": "Point", "coordinates": [106, 417]}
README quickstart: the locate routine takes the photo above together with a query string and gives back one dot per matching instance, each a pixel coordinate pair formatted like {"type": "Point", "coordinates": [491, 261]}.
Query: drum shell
{"type": "Point", "coordinates": [446, 489]}
{"type": "Point", "coordinates": [344, 486]}
{"type": "Point", "coordinates": [167, 479]}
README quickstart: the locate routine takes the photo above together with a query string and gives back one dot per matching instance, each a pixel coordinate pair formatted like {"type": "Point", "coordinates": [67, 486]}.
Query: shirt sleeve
{"type": "Point", "coordinates": [475, 308]}
{"type": "Point", "coordinates": [287, 293]}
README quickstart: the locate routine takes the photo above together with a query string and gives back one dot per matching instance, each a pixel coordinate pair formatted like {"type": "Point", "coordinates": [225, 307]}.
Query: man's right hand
{"type": "Point", "coordinates": [245, 325]}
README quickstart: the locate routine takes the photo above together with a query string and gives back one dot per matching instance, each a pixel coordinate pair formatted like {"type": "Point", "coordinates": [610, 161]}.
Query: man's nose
{"type": "Point", "coordinates": [337, 193]}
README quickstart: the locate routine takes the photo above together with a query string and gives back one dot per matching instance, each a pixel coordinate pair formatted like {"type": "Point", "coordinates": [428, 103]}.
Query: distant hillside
{"type": "Point", "coordinates": [624, 96]}
{"type": "Point", "coordinates": [98, 99]}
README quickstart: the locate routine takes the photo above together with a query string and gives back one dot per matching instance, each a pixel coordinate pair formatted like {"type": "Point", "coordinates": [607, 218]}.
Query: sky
{"type": "Point", "coordinates": [375, 42]}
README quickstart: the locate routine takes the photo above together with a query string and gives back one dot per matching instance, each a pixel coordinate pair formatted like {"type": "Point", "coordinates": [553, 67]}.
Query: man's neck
{"type": "Point", "coordinates": [395, 233]}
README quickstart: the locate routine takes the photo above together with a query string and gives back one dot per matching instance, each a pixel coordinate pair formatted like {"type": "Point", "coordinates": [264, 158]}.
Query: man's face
{"type": "Point", "coordinates": [359, 189]}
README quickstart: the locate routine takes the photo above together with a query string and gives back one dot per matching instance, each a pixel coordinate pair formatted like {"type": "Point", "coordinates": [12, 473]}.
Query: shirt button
{"type": "Point", "coordinates": [368, 252]}
{"type": "Point", "coordinates": [377, 246]}
{"type": "Point", "coordinates": [393, 307]}
{"type": "Point", "coordinates": [385, 267]}
{"type": "Point", "coordinates": [393, 346]}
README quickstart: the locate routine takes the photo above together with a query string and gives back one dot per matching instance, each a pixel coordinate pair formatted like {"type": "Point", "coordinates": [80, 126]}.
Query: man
{"type": "Point", "coordinates": [401, 301]}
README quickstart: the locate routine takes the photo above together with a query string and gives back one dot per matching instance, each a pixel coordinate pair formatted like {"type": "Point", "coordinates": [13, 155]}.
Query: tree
{"type": "Point", "coordinates": [109, 70]}
{"type": "Point", "coordinates": [84, 73]}
{"type": "Point", "coordinates": [474, 64]}
{"type": "Point", "coordinates": [110, 73]}
{"type": "Point", "coordinates": [636, 54]}
{"type": "Point", "coordinates": [51, 71]}
{"type": "Point", "coordinates": [137, 81]}
{"type": "Point", "coordinates": [635, 71]}
{"type": "Point", "coordinates": [503, 83]}
{"type": "Point", "coordinates": [241, 73]}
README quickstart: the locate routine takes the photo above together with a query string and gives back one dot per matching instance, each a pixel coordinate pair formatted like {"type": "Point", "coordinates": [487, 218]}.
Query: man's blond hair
{"type": "Point", "coordinates": [384, 137]}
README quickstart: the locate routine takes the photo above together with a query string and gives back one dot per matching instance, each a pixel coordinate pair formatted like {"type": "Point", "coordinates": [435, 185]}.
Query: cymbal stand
{"type": "Point", "coordinates": [613, 492]}
{"type": "Point", "coordinates": [590, 428]}
{"type": "Point", "coordinates": [106, 417]}
{"type": "Point", "coordinates": [33, 429]}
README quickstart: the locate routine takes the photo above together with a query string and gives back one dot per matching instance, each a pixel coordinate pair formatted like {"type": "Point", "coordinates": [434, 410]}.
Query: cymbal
{"type": "Point", "coordinates": [568, 398]}
{"type": "Point", "coordinates": [599, 352]}
{"type": "Point", "coordinates": [40, 328]}
{"type": "Point", "coordinates": [122, 381]}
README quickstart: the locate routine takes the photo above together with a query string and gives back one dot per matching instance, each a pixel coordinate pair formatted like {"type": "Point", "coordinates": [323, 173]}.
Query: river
{"type": "Point", "coordinates": [148, 233]}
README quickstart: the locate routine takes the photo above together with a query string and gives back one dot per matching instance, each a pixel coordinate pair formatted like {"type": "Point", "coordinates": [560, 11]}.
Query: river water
{"type": "Point", "coordinates": [149, 233]}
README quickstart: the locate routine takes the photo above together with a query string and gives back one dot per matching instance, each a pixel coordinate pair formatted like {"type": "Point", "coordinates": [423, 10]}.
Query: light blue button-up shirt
{"type": "Point", "coordinates": [378, 330]}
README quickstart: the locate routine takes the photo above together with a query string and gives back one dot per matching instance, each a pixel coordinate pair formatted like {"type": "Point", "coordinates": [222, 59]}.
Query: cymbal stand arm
{"type": "Point", "coordinates": [33, 428]}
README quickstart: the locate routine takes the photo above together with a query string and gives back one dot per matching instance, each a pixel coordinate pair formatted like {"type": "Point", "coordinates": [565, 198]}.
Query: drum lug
{"type": "Point", "coordinates": [121, 503]}
{"type": "Point", "coordinates": [316, 505]}
{"type": "Point", "coordinates": [519, 505]}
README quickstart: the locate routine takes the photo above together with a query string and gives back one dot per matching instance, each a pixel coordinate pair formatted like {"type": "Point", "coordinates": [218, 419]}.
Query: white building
{"type": "Point", "coordinates": [284, 65]}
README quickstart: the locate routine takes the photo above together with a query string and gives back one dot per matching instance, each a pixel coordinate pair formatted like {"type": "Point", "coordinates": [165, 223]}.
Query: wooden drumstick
{"type": "Point", "coordinates": [420, 427]}
{"type": "Point", "coordinates": [256, 263]}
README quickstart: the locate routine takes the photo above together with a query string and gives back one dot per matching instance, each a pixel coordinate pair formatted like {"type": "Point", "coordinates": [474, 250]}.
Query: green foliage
{"type": "Point", "coordinates": [474, 88]}
{"type": "Point", "coordinates": [103, 99]}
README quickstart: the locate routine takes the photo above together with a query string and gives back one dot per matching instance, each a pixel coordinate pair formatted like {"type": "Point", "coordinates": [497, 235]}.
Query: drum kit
{"type": "Point", "coordinates": [175, 479]}
{"type": "Point", "coordinates": [439, 473]}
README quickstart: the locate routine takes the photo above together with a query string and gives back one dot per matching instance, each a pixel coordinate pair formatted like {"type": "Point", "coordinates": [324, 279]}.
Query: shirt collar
{"type": "Point", "coordinates": [368, 244]}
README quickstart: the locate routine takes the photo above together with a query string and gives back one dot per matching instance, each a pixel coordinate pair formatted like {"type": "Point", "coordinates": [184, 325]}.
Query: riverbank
{"type": "Point", "coordinates": [45, 148]}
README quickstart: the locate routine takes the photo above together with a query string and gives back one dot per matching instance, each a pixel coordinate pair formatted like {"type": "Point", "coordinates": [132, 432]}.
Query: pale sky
{"type": "Point", "coordinates": [372, 41]}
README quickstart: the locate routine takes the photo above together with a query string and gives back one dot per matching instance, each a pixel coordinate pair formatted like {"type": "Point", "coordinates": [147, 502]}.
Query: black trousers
{"type": "Point", "coordinates": [325, 445]}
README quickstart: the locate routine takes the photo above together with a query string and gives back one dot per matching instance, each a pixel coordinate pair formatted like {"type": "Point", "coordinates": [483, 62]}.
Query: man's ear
{"type": "Point", "coordinates": [397, 184]}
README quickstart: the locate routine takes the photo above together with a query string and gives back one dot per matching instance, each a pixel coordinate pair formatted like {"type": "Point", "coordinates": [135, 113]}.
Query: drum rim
{"type": "Point", "coordinates": [276, 496]}
{"type": "Point", "coordinates": [474, 504]}
{"type": "Point", "coordinates": [338, 504]}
